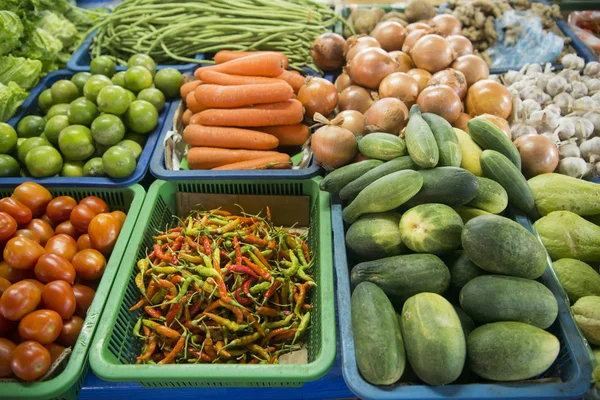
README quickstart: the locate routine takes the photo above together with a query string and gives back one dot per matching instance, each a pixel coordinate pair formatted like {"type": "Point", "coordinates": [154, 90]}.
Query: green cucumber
{"type": "Point", "coordinates": [382, 146]}
{"type": "Point", "coordinates": [452, 186]}
{"type": "Point", "coordinates": [337, 179]}
{"type": "Point", "coordinates": [420, 142]}
{"type": "Point", "coordinates": [446, 139]}
{"type": "Point", "coordinates": [375, 236]}
{"type": "Point", "coordinates": [489, 137]}
{"type": "Point", "coordinates": [462, 269]}
{"type": "Point", "coordinates": [491, 196]}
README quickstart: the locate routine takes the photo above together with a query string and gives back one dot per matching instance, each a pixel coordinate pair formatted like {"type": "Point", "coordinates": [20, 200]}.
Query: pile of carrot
{"type": "Point", "coordinates": [241, 110]}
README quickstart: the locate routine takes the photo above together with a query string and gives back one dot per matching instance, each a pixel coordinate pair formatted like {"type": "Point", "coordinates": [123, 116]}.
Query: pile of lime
{"type": "Point", "coordinates": [95, 124]}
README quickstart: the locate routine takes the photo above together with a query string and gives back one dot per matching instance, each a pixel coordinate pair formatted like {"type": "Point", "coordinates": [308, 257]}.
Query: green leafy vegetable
{"type": "Point", "coordinates": [24, 72]}
{"type": "Point", "coordinates": [11, 97]}
{"type": "Point", "coordinates": [60, 28]}
{"type": "Point", "coordinates": [11, 30]}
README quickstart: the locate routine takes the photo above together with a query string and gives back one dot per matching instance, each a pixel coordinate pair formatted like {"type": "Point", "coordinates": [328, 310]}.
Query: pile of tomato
{"type": "Point", "coordinates": [54, 252]}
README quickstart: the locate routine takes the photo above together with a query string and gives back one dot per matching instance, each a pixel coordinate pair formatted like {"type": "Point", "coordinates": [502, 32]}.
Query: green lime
{"type": "Point", "coordinates": [8, 138]}
{"type": "Point", "coordinates": [103, 65]}
{"type": "Point", "coordinates": [9, 166]}
{"type": "Point", "coordinates": [93, 86]}
{"type": "Point", "coordinates": [20, 141]}
{"type": "Point", "coordinates": [76, 143]}
{"type": "Point", "coordinates": [45, 100]}
{"type": "Point", "coordinates": [64, 91]}
{"type": "Point", "coordinates": [131, 95]}
{"type": "Point", "coordinates": [101, 149]}
{"type": "Point", "coordinates": [72, 168]}
{"type": "Point", "coordinates": [119, 79]}
{"type": "Point", "coordinates": [142, 60]}
{"type": "Point", "coordinates": [132, 146]}
{"type": "Point", "coordinates": [113, 99]}
{"type": "Point", "coordinates": [154, 97]}
{"type": "Point", "coordinates": [82, 112]}
{"type": "Point", "coordinates": [141, 117]}
{"type": "Point", "coordinates": [94, 167]}
{"type": "Point", "coordinates": [31, 126]}
{"type": "Point", "coordinates": [79, 79]}
{"type": "Point", "coordinates": [108, 129]}
{"type": "Point", "coordinates": [137, 137]}
{"type": "Point", "coordinates": [28, 145]}
{"type": "Point", "coordinates": [43, 161]}
{"type": "Point", "coordinates": [54, 126]}
{"type": "Point", "coordinates": [118, 162]}
{"type": "Point", "coordinates": [168, 81]}
{"type": "Point", "coordinates": [57, 109]}
{"type": "Point", "coordinates": [137, 78]}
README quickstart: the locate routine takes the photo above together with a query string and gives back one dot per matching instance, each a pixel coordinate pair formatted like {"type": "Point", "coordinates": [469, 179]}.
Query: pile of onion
{"type": "Point", "coordinates": [538, 154]}
{"type": "Point", "coordinates": [460, 44]}
{"type": "Point", "coordinates": [413, 37]}
{"type": "Point", "coordinates": [446, 25]}
{"type": "Point", "coordinates": [432, 53]}
{"type": "Point", "coordinates": [449, 77]}
{"type": "Point", "coordinates": [401, 86]}
{"type": "Point", "coordinates": [328, 51]}
{"type": "Point", "coordinates": [318, 95]}
{"type": "Point", "coordinates": [390, 35]}
{"type": "Point", "coordinates": [403, 61]}
{"type": "Point", "coordinates": [473, 68]}
{"type": "Point", "coordinates": [352, 120]}
{"type": "Point", "coordinates": [388, 115]}
{"type": "Point", "coordinates": [354, 44]}
{"type": "Point", "coordinates": [333, 146]}
{"type": "Point", "coordinates": [342, 82]}
{"type": "Point", "coordinates": [499, 122]}
{"type": "Point", "coordinates": [441, 100]}
{"type": "Point", "coordinates": [355, 98]}
{"type": "Point", "coordinates": [488, 97]}
{"type": "Point", "coordinates": [421, 76]}
{"type": "Point", "coordinates": [369, 66]}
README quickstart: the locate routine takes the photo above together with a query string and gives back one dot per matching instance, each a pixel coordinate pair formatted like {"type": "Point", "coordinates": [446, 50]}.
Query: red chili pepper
{"type": "Point", "coordinates": [192, 244]}
{"type": "Point", "coordinates": [239, 316]}
{"type": "Point", "coordinates": [212, 306]}
{"type": "Point", "coordinates": [272, 289]}
{"type": "Point", "coordinates": [138, 305]}
{"type": "Point", "coordinates": [283, 254]}
{"type": "Point", "coordinates": [272, 334]}
{"type": "Point", "coordinates": [169, 286]}
{"type": "Point", "coordinates": [238, 251]}
{"type": "Point", "coordinates": [243, 270]}
{"type": "Point", "coordinates": [251, 239]}
{"type": "Point", "coordinates": [285, 335]}
{"type": "Point", "coordinates": [206, 243]}
{"type": "Point", "coordinates": [177, 244]}
{"type": "Point", "coordinates": [305, 251]}
{"type": "Point", "coordinates": [160, 254]}
{"type": "Point", "coordinates": [177, 279]}
{"type": "Point", "coordinates": [220, 212]}
{"type": "Point", "coordinates": [242, 300]}
{"type": "Point", "coordinates": [152, 256]}
{"type": "Point", "coordinates": [246, 285]}
{"type": "Point", "coordinates": [258, 270]}
{"type": "Point", "coordinates": [224, 254]}
{"type": "Point", "coordinates": [267, 311]}
{"type": "Point", "coordinates": [199, 354]}
{"type": "Point", "coordinates": [178, 229]}
{"type": "Point", "coordinates": [153, 312]}
{"type": "Point", "coordinates": [222, 288]}
{"type": "Point", "coordinates": [171, 356]}
{"type": "Point", "coordinates": [175, 309]}
{"type": "Point", "coordinates": [195, 309]}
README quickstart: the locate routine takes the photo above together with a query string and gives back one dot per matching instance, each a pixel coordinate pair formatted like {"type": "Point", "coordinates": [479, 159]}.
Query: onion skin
{"type": "Point", "coordinates": [401, 86]}
{"type": "Point", "coordinates": [352, 120]}
{"type": "Point", "coordinates": [418, 25]}
{"type": "Point", "coordinates": [403, 60]}
{"type": "Point", "coordinates": [462, 122]}
{"type": "Point", "coordinates": [499, 122]}
{"type": "Point", "coordinates": [355, 98]}
{"type": "Point", "coordinates": [449, 77]}
{"type": "Point", "coordinates": [473, 67]}
{"type": "Point", "coordinates": [333, 146]}
{"type": "Point", "coordinates": [328, 51]}
{"type": "Point", "coordinates": [461, 45]}
{"type": "Point", "coordinates": [432, 53]}
{"type": "Point", "coordinates": [412, 38]}
{"type": "Point", "coordinates": [388, 115]}
{"type": "Point", "coordinates": [488, 97]}
{"type": "Point", "coordinates": [446, 25]}
{"type": "Point", "coordinates": [356, 43]}
{"type": "Point", "coordinates": [370, 66]}
{"type": "Point", "coordinates": [318, 95]}
{"type": "Point", "coordinates": [342, 82]}
{"type": "Point", "coordinates": [421, 76]}
{"type": "Point", "coordinates": [538, 154]}
{"type": "Point", "coordinates": [390, 35]}
{"type": "Point", "coordinates": [441, 100]}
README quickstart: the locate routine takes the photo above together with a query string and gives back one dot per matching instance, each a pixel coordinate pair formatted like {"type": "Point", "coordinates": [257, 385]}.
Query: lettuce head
{"type": "Point", "coordinates": [11, 30]}
{"type": "Point", "coordinates": [11, 97]}
{"type": "Point", "coordinates": [22, 71]}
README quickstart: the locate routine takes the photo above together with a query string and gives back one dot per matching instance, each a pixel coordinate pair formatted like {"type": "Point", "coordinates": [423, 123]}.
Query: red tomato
{"type": "Point", "coordinates": [55, 350]}
{"type": "Point", "coordinates": [104, 231]}
{"type": "Point", "coordinates": [12, 274]}
{"type": "Point", "coordinates": [83, 296]}
{"type": "Point", "coordinates": [59, 209]}
{"type": "Point", "coordinates": [96, 204]}
{"type": "Point", "coordinates": [42, 229]}
{"type": "Point", "coordinates": [62, 245]}
{"type": "Point", "coordinates": [34, 196]}
{"type": "Point", "coordinates": [68, 229]}
{"type": "Point", "coordinates": [51, 267]}
{"type": "Point", "coordinates": [8, 226]}
{"type": "Point", "coordinates": [70, 331]}
{"type": "Point", "coordinates": [43, 326]}
{"type": "Point", "coordinates": [46, 218]}
{"type": "Point", "coordinates": [6, 352]}
{"type": "Point", "coordinates": [4, 284]}
{"type": "Point", "coordinates": [59, 296]}
{"type": "Point", "coordinates": [84, 242]}
{"type": "Point", "coordinates": [19, 300]}
{"type": "Point", "coordinates": [22, 253]}
{"type": "Point", "coordinates": [120, 216]}
{"type": "Point", "coordinates": [30, 361]}
{"type": "Point", "coordinates": [16, 209]}
{"type": "Point", "coordinates": [29, 234]}
{"type": "Point", "coordinates": [7, 327]}
{"type": "Point", "coordinates": [89, 264]}
{"type": "Point", "coordinates": [37, 283]}
{"type": "Point", "coordinates": [81, 216]}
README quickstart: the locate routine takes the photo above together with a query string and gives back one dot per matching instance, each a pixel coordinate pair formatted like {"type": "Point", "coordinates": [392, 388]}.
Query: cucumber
{"type": "Point", "coordinates": [382, 146]}
{"type": "Point", "coordinates": [500, 169]}
{"type": "Point", "coordinates": [431, 228]}
{"type": "Point", "coordinates": [468, 213]}
{"type": "Point", "coordinates": [375, 236]}
{"type": "Point", "coordinates": [384, 194]}
{"type": "Point", "coordinates": [337, 179]}
{"type": "Point", "coordinates": [446, 185]}
{"type": "Point", "coordinates": [467, 323]}
{"type": "Point", "coordinates": [352, 189]}
{"type": "Point", "coordinates": [446, 139]}
{"type": "Point", "coordinates": [420, 141]}
{"type": "Point", "coordinates": [462, 269]}
{"type": "Point", "coordinates": [491, 196]}
{"type": "Point", "coordinates": [489, 137]}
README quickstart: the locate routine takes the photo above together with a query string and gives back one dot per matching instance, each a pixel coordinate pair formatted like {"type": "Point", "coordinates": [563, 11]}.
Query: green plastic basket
{"type": "Point", "coordinates": [114, 348]}
{"type": "Point", "coordinates": [67, 383]}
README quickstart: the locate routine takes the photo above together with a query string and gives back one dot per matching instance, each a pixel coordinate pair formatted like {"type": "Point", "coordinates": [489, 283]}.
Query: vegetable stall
{"type": "Point", "coordinates": [298, 199]}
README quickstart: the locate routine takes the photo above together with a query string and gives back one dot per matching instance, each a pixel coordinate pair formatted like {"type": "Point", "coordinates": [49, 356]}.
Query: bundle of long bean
{"type": "Point", "coordinates": [221, 288]}
{"type": "Point", "coordinates": [171, 31]}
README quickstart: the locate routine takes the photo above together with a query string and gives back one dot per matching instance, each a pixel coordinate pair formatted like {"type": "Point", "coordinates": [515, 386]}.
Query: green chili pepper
{"type": "Point", "coordinates": [243, 249]}
{"type": "Point", "coordinates": [137, 327]}
{"type": "Point", "coordinates": [206, 259]}
{"type": "Point", "coordinates": [165, 270]}
{"type": "Point", "coordinates": [158, 296]}
{"type": "Point", "coordinates": [182, 291]}
{"type": "Point", "coordinates": [293, 270]}
{"type": "Point", "coordinates": [303, 275]}
{"type": "Point", "coordinates": [207, 272]}
{"type": "Point", "coordinates": [261, 287]}
{"type": "Point", "coordinates": [280, 324]}
{"type": "Point", "coordinates": [302, 327]}
{"type": "Point", "coordinates": [244, 340]}
{"type": "Point", "coordinates": [301, 255]}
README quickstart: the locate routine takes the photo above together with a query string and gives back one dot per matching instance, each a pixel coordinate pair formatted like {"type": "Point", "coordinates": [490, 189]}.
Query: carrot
{"type": "Point", "coordinates": [288, 135]}
{"type": "Point", "coordinates": [293, 78]}
{"type": "Point", "coordinates": [195, 120]}
{"type": "Point", "coordinates": [262, 64]}
{"type": "Point", "coordinates": [212, 157]}
{"type": "Point", "coordinates": [188, 87]}
{"type": "Point", "coordinates": [217, 96]}
{"type": "Point", "coordinates": [187, 114]}
{"type": "Point", "coordinates": [192, 104]}
{"type": "Point", "coordinates": [228, 55]}
{"type": "Point", "coordinates": [231, 138]}
{"type": "Point", "coordinates": [285, 113]}
{"type": "Point", "coordinates": [278, 161]}
{"type": "Point", "coordinates": [218, 78]}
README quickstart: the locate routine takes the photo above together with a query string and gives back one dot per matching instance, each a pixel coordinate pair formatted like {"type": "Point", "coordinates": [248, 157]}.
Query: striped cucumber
{"type": "Point", "coordinates": [382, 146]}
{"type": "Point", "coordinates": [420, 141]}
{"type": "Point", "coordinates": [447, 141]}
{"type": "Point", "coordinates": [337, 179]}
{"type": "Point", "coordinates": [489, 137]}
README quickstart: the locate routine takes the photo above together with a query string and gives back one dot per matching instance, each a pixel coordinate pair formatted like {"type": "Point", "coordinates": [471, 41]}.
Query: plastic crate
{"type": "Point", "coordinates": [572, 365]}
{"type": "Point", "coordinates": [30, 107]}
{"type": "Point", "coordinates": [66, 384]}
{"type": "Point", "coordinates": [114, 349]}
{"type": "Point", "coordinates": [159, 170]}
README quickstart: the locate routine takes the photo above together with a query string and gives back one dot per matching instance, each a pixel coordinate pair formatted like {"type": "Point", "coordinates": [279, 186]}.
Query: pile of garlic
{"type": "Point", "coordinates": [564, 106]}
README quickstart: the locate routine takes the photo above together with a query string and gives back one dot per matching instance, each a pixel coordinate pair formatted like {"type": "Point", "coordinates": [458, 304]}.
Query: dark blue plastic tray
{"type": "Point", "coordinates": [573, 365]}
{"type": "Point", "coordinates": [30, 107]}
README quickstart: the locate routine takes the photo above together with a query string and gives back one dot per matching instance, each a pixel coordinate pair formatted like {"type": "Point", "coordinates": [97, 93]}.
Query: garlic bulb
{"type": "Point", "coordinates": [583, 129]}
{"type": "Point", "coordinates": [534, 93]}
{"type": "Point", "coordinates": [553, 108]}
{"type": "Point", "coordinates": [569, 74]}
{"type": "Point", "coordinates": [565, 128]}
{"type": "Point", "coordinates": [583, 105]}
{"type": "Point", "coordinates": [512, 76]}
{"type": "Point", "coordinates": [592, 69]}
{"type": "Point", "coordinates": [553, 137]}
{"type": "Point", "coordinates": [590, 147]}
{"type": "Point", "coordinates": [564, 101]}
{"type": "Point", "coordinates": [521, 85]}
{"type": "Point", "coordinates": [572, 61]}
{"type": "Point", "coordinates": [568, 148]}
{"type": "Point", "coordinates": [542, 80]}
{"type": "Point", "coordinates": [572, 166]}
{"type": "Point", "coordinates": [543, 121]}
{"type": "Point", "coordinates": [533, 69]}
{"type": "Point", "coordinates": [578, 89]}
{"type": "Point", "coordinates": [594, 118]}
{"type": "Point", "coordinates": [593, 85]}
{"type": "Point", "coordinates": [596, 97]}
{"type": "Point", "coordinates": [556, 85]}
{"type": "Point", "coordinates": [529, 106]}
{"type": "Point", "coordinates": [521, 128]}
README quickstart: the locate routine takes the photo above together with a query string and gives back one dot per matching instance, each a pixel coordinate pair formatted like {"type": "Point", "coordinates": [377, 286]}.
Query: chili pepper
{"type": "Point", "coordinates": [290, 272]}
{"type": "Point", "coordinates": [273, 360]}
{"type": "Point", "coordinates": [142, 265]}
{"type": "Point", "coordinates": [227, 227]}
{"type": "Point", "coordinates": [303, 275]}
{"type": "Point", "coordinates": [243, 301]}
{"type": "Point", "coordinates": [177, 244]}
{"type": "Point", "coordinates": [175, 310]}
{"type": "Point", "coordinates": [306, 251]}
{"type": "Point", "coordinates": [281, 323]}
{"type": "Point", "coordinates": [272, 334]}
{"type": "Point", "coordinates": [137, 305]}
{"type": "Point", "coordinates": [216, 260]}
{"type": "Point", "coordinates": [206, 244]}
{"type": "Point", "coordinates": [169, 236]}
{"type": "Point", "coordinates": [268, 213]}
{"type": "Point", "coordinates": [232, 326]}
{"type": "Point", "coordinates": [152, 289]}
{"type": "Point", "coordinates": [238, 251]}
{"type": "Point", "coordinates": [151, 347]}
{"type": "Point", "coordinates": [196, 308]}
{"type": "Point", "coordinates": [243, 270]}
{"type": "Point", "coordinates": [208, 348]}
{"type": "Point", "coordinates": [247, 283]}
{"type": "Point", "coordinates": [152, 256]}
{"type": "Point", "coordinates": [213, 306]}
{"type": "Point", "coordinates": [269, 312]}
{"type": "Point", "coordinates": [220, 212]}
{"type": "Point", "coordinates": [182, 291]}
{"type": "Point", "coordinates": [272, 289]}
{"type": "Point", "coordinates": [165, 270]}
{"type": "Point", "coordinates": [263, 273]}
{"type": "Point", "coordinates": [235, 310]}
{"type": "Point", "coordinates": [193, 259]}
{"type": "Point", "coordinates": [289, 241]}
{"type": "Point", "coordinates": [137, 327]}
{"type": "Point", "coordinates": [276, 301]}
{"type": "Point", "coordinates": [258, 328]}
{"type": "Point", "coordinates": [251, 239]}
{"type": "Point", "coordinates": [218, 280]}
{"type": "Point", "coordinates": [177, 229]}
{"type": "Point", "coordinates": [284, 254]}
{"type": "Point", "coordinates": [168, 285]}
{"type": "Point", "coordinates": [302, 327]}
{"type": "Point", "coordinates": [153, 312]}
{"type": "Point", "coordinates": [300, 254]}
{"type": "Point", "coordinates": [159, 253]}
{"type": "Point", "coordinates": [260, 287]}
{"type": "Point", "coordinates": [199, 354]}
{"type": "Point", "coordinates": [220, 351]}
{"type": "Point", "coordinates": [259, 351]}
{"type": "Point", "coordinates": [285, 291]}
{"type": "Point", "coordinates": [176, 349]}
{"type": "Point", "coordinates": [302, 296]}
{"type": "Point", "coordinates": [285, 335]}
{"type": "Point", "coordinates": [161, 329]}
{"type": "Point", "coordinates": [243, 340]}
{"type": "Point", "coordinates": [177, 279]}
{"type": "Point", "coordinates": [158, 297]}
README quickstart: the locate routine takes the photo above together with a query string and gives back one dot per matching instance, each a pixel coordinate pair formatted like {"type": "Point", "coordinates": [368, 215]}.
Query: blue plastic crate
{"type": "Point", "coordinates": [30, 107]}
{"type": "Point", "coordinates": [573, 365]}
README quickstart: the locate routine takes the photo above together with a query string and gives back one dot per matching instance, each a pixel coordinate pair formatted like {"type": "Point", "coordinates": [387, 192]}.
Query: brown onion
{"type": "Point", "coordinates": [352, 120]}
{"type": "Point", "coordinates": [318, 95]}
{"type": "Point", "coordinates": [403, 60]}
{"type": "Point", "coordinates": [388, 115]}
{"type": "Point", "coordinates": [355, 98]}
{"type": "Point", "coordinates": [421, 76]}
{"type": "Point", "coordinates": [370, 66]}
{"type": "Point", "coordinates": [461, 45]}
{"type": "Point", "coordinates": [328, 51]}
{"type": "Point", "coordinates": [412, 38]}
{"type": "Point", "coordinates": [499, 122]}
{"type": "Point", "coordinates": [333, 146]}
{"type": "Point", "coordinates": [418, 25]}
{"type": "Point", "coordinates": [449, 77]}
{"type": "Point", "coordinates": [356, 43]}
{"type": "Point", "coordinates": [446, 25]}
{"type": "Point", "coordinates": [462, 121]}
{"type": "Point", "coordinates": [401, 86]}
{"type": "Point", "coordinates": [342, 82]}
{"type": "Point", "coordinates": [432, 53]}
{"type": "Point", "coordinates": [473, 67]}
{"type": "Point", "coordinates": [538, 154]}
{"type": "Point", "coordinates": [390, 35]}
{"type": "Point", "coordinates": [488, 97]}
{"type": "Point", "coordinates": [441, 100]}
